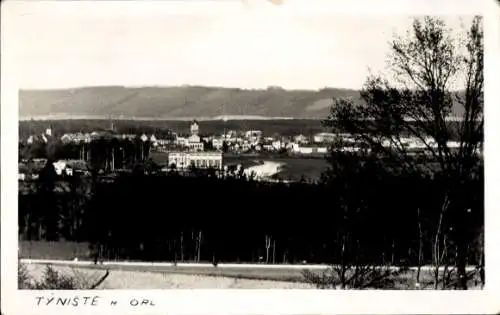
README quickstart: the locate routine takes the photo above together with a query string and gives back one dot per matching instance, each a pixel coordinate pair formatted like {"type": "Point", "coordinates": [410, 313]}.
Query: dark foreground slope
{"type": "Point", "coordinates": [163, 217]}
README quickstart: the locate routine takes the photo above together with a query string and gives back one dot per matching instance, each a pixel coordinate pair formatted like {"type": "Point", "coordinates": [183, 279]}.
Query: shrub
{"type": "Point", "coordinates": [54, 280]}
{"type": "Point", "coordinates": [353, 277]}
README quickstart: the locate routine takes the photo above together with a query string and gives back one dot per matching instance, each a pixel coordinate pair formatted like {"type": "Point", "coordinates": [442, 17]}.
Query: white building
{"type": "Point", "coordinates": [195, 146]}
{"type": "Point", "coordinates": [324, 137]}
{"type": "Point", "coordinates": [253, 135]}
{"type": "Point", "coordinates": [153, 140]}
{"type": "Point", "coordinates": [278, 144]}
{"type": "Point", "coordinates": [217, 143]}
{"type": "Point", "coordinates": [61, 168]}
{"type": "Point", "coordinates": [194, 142]}
{"type": "Point", "coordinates": [301, 139]}
{"type": "Point", "coordinates": [183, 160]}
{"type": "Point", "coordinates": [296, 148]}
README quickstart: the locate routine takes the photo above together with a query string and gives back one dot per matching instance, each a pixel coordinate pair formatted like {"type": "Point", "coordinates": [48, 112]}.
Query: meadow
{"type": "Point", "coordinates": [294, 167]}
{"type": "Point", "coordinates": [195, 277]}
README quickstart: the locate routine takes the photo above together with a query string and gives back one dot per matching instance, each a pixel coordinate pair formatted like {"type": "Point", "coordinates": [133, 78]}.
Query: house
{"type": "Point", "coordinates": [217, 143]}
{"type": "Point", "coordinates": [60, 168]}
{"type": "Point", "coordinates": [153, 140]}
{"type": "Point", "coordinates": [253, 135]}
{"type": "Point", "coordinates": [144, 138]}
{"type": "Point", "coordinates": [278, 144]}
{"type": "Point", "coordinates": [76, 138]}
{"type": "Point", "coordinates": [324, 137]}
{"type": "Point", "coordinates": [68, 167]}
{"type": "Point", "coordinates": [301, 139]}
{"type": "Point", "coordinates": [310, 149]}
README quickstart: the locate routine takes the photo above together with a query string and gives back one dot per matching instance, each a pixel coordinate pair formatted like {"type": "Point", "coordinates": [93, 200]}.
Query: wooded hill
{"type": "Point", "coordinates": [183, 102]}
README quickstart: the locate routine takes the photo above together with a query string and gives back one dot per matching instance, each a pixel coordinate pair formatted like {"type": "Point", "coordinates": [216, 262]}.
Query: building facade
{"type": "Point", "coordinates": [183, 160]}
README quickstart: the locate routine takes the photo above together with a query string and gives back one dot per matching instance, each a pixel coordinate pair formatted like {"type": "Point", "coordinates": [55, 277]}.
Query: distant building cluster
{"type": "Point", "coordinates": [207, 152]}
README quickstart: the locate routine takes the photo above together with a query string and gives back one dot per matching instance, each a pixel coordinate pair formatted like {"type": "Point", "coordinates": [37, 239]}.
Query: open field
{"type": "Point", "coordinates": [145, 280]}
{"type": "Point", "coordinates": [163, 276]}
{"type": "Point", "coordinates": [294, 167]}
{"type": "Point", "coordinates": [166, 275]}
{"type": "Point", "coordinates": [53, 250]}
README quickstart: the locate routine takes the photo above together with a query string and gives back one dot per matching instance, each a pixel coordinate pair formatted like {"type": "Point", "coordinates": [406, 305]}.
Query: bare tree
{"type": "Point", "coordinates": [420, 246]}
{"type": "Point", "coordinates": [426, 66]}
{"type": "Point", "coordinates": [268, 246]}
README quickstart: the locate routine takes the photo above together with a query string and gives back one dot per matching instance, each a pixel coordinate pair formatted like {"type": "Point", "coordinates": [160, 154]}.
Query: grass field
{"type": "Point", "coordinates": [146, 279]}
{"type": "Point", "coordinates": [53, 250]}
{"type": "Point", "coordinates": [157, 276]}
{"type": "Point", "coordinates": [293, 166]}
{"type": "Point", "coordinates": [185, 277]}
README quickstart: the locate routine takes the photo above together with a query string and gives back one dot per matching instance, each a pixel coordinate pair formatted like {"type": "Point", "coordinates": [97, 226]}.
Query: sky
{"type": "Point", "coordinates": [62, 45]}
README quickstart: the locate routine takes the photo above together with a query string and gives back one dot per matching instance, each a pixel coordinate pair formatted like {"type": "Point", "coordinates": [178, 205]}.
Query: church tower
{"type": "Point", "coordinates": [194, 128]}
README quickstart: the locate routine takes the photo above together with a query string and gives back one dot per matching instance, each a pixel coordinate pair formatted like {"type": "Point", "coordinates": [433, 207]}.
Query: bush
{"type": "Point", "coordinates": [354, 277]}
{"type": "Point", "coordinates": [54, 280]}
{"type": "Point", "coordinates": [23, 278]}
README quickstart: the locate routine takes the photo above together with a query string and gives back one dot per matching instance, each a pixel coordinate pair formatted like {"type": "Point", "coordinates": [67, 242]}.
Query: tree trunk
{"type": "Point", "coordinates": [268, 245]}
{"type": "Point", "coordinates": [393, 252]}
{"type": "Point", "coordinates": [182, 247]}
{"type": "Point", "coordinates": [462, 262]}
{"type": "Point", "coordinates": [420, 246]}
{"type": "Point", "coordinates": [112, 159]}
{"type": "Point", "coordinates": [199, 245]}
{"type": "Point", "coordinates": [274, 251]}
{"type": "Point", "coordinates": [343, 263]}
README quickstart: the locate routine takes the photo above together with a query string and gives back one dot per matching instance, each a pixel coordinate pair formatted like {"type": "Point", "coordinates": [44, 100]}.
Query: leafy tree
{"type": "Point", "coordinates": [151, 167]}
{"type": "Point", "coordinates": [47, 201]}
{"type": "Point", "coordinates": [426, 66]}
{"type": "Point", "coordinates": [225, 147]}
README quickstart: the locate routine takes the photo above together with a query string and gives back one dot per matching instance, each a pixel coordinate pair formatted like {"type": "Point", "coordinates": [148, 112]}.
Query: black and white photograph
{"type": "Point", "coordinates": [251, 150]}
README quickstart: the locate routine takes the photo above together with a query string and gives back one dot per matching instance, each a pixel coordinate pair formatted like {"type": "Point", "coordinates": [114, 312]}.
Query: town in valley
{"type": "Point", "coordinates": [270, 159]}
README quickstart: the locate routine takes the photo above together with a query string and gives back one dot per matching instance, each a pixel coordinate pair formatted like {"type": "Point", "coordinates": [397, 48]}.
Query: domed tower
{"type": "Point", "coordinates": [194, 128]}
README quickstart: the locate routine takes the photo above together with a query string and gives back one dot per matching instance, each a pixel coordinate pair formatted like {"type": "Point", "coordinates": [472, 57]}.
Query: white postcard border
{"type": "Point", "coordinates": [260, 301]}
